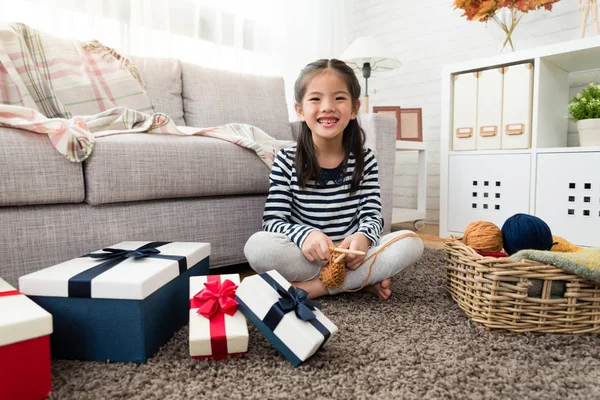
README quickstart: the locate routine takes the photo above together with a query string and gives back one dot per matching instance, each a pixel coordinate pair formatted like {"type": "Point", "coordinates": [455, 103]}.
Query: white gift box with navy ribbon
{"type": "Point", "coordinates": [290, 321]}
{"type": "Point", "coordinates": [25, 329]}
{"type": "Point", "coordinates": [120, 303]}
{"type": "Point", "coordinates": [217, 328]}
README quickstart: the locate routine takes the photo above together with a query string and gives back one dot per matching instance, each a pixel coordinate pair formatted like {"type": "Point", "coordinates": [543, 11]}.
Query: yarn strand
{"type": "Point", "coordinates": [334, 271]}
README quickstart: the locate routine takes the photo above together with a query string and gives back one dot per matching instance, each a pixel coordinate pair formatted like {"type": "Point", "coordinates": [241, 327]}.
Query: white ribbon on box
{"type": "Point", "coordinates": [20, 318]}
{"type": "Point", "coordinates": [132, 279]}
{"type": "Point", "coordinates": [299, 336]}
{"type": "Point", "coordinates": [236, 326]}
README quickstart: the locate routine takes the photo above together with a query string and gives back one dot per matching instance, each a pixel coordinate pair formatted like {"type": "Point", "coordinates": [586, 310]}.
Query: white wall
{"type": "Point", "coordinates": [425, 38]}
{"type": "Point", "coordinates": [314, 29]}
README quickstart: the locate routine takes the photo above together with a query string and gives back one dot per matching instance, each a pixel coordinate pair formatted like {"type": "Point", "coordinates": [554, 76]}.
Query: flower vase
{"type": "Point", "coordinates": [506, 20]}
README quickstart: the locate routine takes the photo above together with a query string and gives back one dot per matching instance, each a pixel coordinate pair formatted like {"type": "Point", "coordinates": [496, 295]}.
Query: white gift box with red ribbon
{"type": "Point", "coordinates": [217, 329]}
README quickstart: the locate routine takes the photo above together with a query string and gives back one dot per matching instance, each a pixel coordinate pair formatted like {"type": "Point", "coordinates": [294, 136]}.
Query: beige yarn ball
{"type": "Point", "coordinates": [483, 237]}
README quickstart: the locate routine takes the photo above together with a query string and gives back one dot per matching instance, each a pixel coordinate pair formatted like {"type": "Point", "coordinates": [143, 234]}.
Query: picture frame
{"type": "Point", "coordinates": [411, 124]}
{"type": "Point", "coordinates": [394, 111]}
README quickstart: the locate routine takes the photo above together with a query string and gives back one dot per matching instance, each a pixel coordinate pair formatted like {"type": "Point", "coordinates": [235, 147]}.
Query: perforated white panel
{"type": "Point", "coordinates": [568, 196]}
{"type": "Point", "coordinates": [487, 188]}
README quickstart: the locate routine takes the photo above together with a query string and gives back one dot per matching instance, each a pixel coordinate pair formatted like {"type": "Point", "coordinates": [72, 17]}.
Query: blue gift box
{"type": "Point", "coordinates": [119, 304]}
{"type": "Point", "coordinates": [281, 312]}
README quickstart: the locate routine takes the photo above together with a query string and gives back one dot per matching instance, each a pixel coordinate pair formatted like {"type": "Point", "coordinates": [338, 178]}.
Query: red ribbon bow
{"type": "Point", "coordinates": [215, 298]}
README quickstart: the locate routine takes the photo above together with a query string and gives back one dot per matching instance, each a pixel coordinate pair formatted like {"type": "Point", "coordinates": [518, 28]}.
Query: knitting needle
{"type": "Point", "coordinates": [339, 258]}
{"type": "Point", "coordinates": [348, 251]}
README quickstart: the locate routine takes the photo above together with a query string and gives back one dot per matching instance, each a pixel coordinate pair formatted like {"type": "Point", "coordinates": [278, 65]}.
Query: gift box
{"type": "Point", "coordinates": [284, 314]}
{"type": "Point", "coordinates": [217, 329]}
{"type": "Point", "coordinates": [24, 347]}
{"type": "Point", "coordinates": [120, 303]}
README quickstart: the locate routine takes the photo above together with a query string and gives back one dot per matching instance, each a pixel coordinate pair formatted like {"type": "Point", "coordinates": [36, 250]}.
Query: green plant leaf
{"type": "Point", "coordinates": [586, 105]}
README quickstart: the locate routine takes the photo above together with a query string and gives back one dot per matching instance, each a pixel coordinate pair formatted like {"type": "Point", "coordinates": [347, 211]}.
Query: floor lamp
{"type": "Point", "coordinates": [366, 55]}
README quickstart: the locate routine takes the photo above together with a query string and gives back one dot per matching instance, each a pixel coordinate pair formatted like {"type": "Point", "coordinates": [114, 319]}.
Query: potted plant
{"type": "Point", "coordinates": [585, 110]}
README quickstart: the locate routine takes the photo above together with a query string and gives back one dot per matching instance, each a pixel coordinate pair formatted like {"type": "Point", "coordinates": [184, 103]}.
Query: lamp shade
{"type": "Point", "coordinates": [367, 49]}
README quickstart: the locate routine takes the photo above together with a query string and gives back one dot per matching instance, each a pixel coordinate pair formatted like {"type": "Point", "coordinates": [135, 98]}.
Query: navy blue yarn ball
{"type": "Point", "coordinates": [524, 231]}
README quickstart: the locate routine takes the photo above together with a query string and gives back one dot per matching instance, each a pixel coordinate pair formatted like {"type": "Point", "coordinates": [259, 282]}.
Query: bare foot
{"type": "Point", "coordinates": [381, 289]}
{"type": "Point", "coordinates": [315, 288]}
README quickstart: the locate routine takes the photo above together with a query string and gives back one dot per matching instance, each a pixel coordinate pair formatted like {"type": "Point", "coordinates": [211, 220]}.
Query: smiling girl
{"type": "Point", "coordinates": [325, 190]}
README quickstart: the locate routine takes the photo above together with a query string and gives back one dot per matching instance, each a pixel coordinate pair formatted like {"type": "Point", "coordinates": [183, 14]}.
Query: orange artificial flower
{"type": "Point", "coordinates": [483, 10]}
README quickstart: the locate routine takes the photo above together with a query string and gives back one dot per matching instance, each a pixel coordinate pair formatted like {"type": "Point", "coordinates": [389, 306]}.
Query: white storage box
{"type": "Point", "coordinates": [465, 111]}
{"type": "Point", "coordinates": [489, 109]}
{"type": "Point", "coordinates": [517, 106]}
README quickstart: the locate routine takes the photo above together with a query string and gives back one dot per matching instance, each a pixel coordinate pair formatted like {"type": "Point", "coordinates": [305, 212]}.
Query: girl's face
{"type": "Point", "coordinates": [327, 106]}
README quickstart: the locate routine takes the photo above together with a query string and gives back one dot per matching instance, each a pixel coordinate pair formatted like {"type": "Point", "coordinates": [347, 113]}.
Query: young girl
{"type": "Point", "coordinates": [325, 190]}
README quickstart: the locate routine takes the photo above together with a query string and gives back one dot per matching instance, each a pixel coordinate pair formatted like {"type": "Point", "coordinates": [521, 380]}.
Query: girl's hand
{"type": "Point", "coordinates": [316, 246]}
{"type": "Point", "coordinates": [357, 241]}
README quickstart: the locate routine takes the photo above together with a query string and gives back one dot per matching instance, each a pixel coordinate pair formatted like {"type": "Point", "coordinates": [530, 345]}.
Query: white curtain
{"type": "Point", "coordinates": [313, 29]}
{"type": "Point", "coordinates": [266, 37]}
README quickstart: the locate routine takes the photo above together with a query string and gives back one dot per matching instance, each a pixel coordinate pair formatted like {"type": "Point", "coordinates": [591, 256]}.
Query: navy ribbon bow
{"type": "Point", "coordinates": [80, 285]}
{"type": "Point", "coordinates": [297, 299]}
{"type": "Point", "coordinates": [114, 253]}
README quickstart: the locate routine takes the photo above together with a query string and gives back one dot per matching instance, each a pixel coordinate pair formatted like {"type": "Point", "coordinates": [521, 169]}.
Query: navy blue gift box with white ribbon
{"type": "Point", "coordinates": [121, 303]}
{"type": "Point", "coordinates": [283, 314]}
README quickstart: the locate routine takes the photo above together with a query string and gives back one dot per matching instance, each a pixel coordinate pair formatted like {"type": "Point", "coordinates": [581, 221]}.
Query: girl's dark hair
{"type": "Point", "coordinates": [307, 166]}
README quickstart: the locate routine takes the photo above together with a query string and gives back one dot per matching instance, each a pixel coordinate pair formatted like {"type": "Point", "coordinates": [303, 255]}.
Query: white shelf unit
{"type": "Point", "coordinates": [559, 184]}
{"type": "Point", "coordinates": [418, 214]}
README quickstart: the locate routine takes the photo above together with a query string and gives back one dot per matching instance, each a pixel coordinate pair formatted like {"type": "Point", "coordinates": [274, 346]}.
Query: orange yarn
{"type": "Point", "coordinates": [483, 237]}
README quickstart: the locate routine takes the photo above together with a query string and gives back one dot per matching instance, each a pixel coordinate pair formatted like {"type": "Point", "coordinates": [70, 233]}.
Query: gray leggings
{"type": "Point", "coordinates": [267, 250]}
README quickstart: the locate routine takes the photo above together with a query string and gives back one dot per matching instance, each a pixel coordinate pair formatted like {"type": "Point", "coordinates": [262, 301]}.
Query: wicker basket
{"type": "Point", "coordinates": [521, 296]}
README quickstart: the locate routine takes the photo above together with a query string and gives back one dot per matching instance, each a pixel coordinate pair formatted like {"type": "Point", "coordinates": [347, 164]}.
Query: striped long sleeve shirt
{"type": "Point", "coordinates": [331, 209]}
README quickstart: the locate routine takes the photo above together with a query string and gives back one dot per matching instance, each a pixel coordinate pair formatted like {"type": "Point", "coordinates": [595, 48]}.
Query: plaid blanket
{"type": "Point", "coordinates": [74, 92]}
{"type": "Point", "coordinates": [61, 78]}
{"type": "Point", "coordinates": [75, 137]}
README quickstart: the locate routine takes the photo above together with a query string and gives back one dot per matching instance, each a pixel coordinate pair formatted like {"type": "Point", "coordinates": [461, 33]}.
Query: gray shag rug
{"type": "Point", "coordinates": [417, 345]}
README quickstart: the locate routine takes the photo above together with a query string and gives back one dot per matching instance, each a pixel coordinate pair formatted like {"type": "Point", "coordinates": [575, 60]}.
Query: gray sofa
{"type": "Point", "coordinates": [155, 187]}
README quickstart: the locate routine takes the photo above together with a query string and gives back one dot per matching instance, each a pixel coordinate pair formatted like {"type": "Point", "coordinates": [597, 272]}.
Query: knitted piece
{"type": "Point", "coordinates": [562, 245]}
{"type": "Point", "coordinates": [333, 274]}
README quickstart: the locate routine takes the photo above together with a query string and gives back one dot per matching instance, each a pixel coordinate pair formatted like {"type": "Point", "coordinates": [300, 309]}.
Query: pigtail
{"type": "Point", "coordinates": [354, 141]}
{"type": "Point", "coordinates": [307, 165]}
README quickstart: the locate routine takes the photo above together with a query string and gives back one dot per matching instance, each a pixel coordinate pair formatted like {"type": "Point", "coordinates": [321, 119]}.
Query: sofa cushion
{"type": "Point", "coordinates": [130, 167]}
{"type": "Point", "coordinates": [162, 80]}
{"type": "Point", "coordinates": [214, 97]}
{"type": "Point", "coordinates": [33, 172]}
